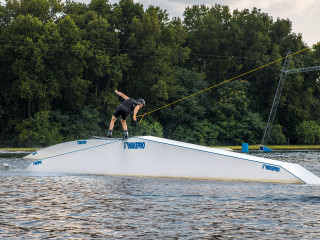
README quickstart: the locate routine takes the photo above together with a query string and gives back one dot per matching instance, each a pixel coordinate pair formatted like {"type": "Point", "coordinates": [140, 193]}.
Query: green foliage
{"type": "Point", "coordinates": [277, 137]}
{"type": "Point", "coordinates": [181, 118]}
{"type": "Point", "coordinates": [147, 128]}
{"type": "Point", "coordinates": [233, 98]}
{"type": "Point", "coordinates": [42, 9]}
{"type": "Point", "coordinates": [236, 121]}
{"type": "Point", "coordinates": [308, 132]}
{"type": "Point", "coordinates": [153, 64]}
{"type": "Point", "coordinates": [47, 128]}
{"type": "Point", "coordinates": [249, 128]}
{"type": "Point", "coordinates": [203, 132]}
{"type": "Point", "coordinates": [38, 131]}
{"type": "Point", "coordinates": [88, 123]}
{"type": "Point", "coordinates": [60, 63]}
{"type": "Point", "coordinates": [5, 16]}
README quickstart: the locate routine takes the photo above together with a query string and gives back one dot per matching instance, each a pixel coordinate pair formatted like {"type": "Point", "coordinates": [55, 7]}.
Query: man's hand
{"type": "Point", "coordinates": [134, 118]}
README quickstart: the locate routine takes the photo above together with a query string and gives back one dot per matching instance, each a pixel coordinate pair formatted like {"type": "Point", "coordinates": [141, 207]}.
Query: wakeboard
{"type": "Point", "coordinates": [107, 138]}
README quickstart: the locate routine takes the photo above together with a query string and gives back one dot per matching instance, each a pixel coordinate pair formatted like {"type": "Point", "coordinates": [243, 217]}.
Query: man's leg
{"type": "Point", "coordinates": [111, 126]}
{"type": "Point", "coordinates": [124, 125]}
{"type": "Point", "coordinates": [113, 120]}
{"type": "Point", "coordinates": [125, 128]}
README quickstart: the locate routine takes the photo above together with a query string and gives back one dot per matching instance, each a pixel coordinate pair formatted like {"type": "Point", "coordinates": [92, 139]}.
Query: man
{"type": "Point", "coordinates": [127, 106]}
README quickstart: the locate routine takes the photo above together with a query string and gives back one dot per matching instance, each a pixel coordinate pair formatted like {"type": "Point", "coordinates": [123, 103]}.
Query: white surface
{"type": "Point", "coordinates": [164, 158]}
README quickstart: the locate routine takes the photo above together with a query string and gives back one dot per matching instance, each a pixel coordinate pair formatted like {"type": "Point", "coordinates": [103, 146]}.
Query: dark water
{"type": "Point", "coordinates": [48, 206]}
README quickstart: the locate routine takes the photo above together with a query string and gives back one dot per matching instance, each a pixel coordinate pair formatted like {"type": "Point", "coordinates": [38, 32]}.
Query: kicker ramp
{"type": "Point", "coordinates": [158, 157]}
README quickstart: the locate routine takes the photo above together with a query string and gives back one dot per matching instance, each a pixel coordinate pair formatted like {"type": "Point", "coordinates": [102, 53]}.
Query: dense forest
{"type": "Point", "coordinates": [60, 63]}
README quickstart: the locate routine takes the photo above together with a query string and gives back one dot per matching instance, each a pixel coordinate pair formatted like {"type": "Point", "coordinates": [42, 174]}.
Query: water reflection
{"type": "Point", "coordinates": [87, 206]}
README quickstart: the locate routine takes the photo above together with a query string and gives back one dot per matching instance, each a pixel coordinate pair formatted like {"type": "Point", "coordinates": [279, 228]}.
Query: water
{"type": "Point", "coordinates": [69, 206]}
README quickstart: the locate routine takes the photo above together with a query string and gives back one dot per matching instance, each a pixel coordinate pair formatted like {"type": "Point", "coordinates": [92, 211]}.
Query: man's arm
{"type": "Point", "coordinates": [125, 97]}
{"type": "Point", "coordinates": [135, 111]}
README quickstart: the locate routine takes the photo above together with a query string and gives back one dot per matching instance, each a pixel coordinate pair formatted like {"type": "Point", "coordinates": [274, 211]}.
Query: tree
{"type": "Point", "coordinates": [237, 123]}
{"type": "Point", "coordinates": [208, 37]}
{"type": "Point", "coordinates": [123, 14]}
{"type": "Point", "coordinates": [104, 62]}
{"type": "Point", "coordinates": [44, 10]}
{"type": "Point", "coordinates": [102, 7]}
{"type": "Point", "coordinates": [74, 87]}
{"type": "Point", "coordinates": [277, 137]}
{"type": "Point", "coordinates": [154, 59]}
{"type": "Point", "coordinates": [184, 120]}
{"type": "Point", "coordinates": [38, 131]}
{"type": "Point", "coordinates": [25, 53]}
{"type": "Point", "coordinates": [308, 132]}
{"type": "Point", "coordinates": [60, 63]}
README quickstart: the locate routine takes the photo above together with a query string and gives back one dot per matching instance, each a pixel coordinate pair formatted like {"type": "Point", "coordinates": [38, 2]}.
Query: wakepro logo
{"type": "Point", "coordinates": [134, 145]}
{"type": "Point", "coordinates": [271, 167]}
{"type": "Point", "coordinates": [37, 162]}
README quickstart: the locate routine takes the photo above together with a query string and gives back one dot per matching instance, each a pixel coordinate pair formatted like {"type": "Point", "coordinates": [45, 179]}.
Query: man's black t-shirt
{"type": "Point", "coordinates": [125, 108]}
{"type": "Point", "coordinates": [130, 104]}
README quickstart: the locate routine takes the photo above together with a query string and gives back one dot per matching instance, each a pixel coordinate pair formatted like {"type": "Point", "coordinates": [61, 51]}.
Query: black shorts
{"type": "Point", "coordinates": [123, 111]}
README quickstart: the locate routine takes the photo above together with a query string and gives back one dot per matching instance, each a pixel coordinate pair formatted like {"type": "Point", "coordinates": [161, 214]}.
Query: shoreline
{"type": "Point", "coordinates": [251, 147]}
{"type": "Point", "coordinates": [19, 149]}
{"type": "Point", "coordinates": [275, 147]}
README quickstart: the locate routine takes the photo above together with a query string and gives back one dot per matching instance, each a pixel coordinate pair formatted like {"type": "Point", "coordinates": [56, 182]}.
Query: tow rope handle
{"type": "Point", "coordinates": [141, 117]}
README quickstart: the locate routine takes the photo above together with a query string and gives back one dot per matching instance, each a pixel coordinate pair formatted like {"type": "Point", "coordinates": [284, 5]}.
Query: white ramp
{"type": "Point", "coordinates": [158, 157]}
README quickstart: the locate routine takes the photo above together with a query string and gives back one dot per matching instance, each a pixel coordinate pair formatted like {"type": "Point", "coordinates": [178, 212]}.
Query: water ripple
{"type": "Point", "coordinates": [59, 206]}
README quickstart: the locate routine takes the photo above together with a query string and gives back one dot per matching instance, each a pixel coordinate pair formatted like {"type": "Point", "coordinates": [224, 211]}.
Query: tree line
{"type": "Point", "coordinates": [60, 63]}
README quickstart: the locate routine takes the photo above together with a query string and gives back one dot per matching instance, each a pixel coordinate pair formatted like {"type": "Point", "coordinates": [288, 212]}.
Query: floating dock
{"type": "Point", "coordinates": [158, 157]}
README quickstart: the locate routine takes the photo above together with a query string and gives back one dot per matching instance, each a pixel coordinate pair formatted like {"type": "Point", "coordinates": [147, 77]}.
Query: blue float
{"type": "Point", "coordinates": [245, 147]}
{"type": "Point", "coordinates": [266, 149]}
